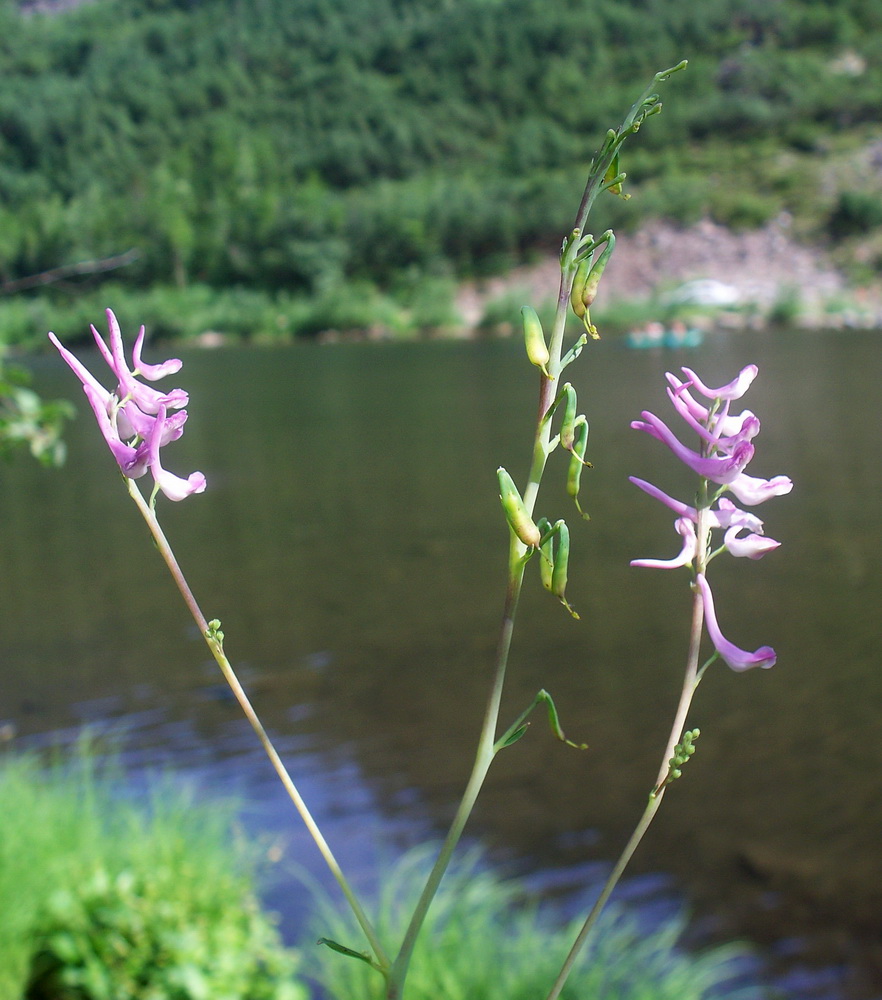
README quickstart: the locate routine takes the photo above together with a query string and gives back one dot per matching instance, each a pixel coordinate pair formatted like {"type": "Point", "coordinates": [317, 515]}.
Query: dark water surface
{"type": "Point", "coordinates": [351, 542]}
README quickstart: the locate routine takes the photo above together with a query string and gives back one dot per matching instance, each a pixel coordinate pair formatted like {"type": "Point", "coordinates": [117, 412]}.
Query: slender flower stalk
{"type": "Point", "coordinates": [135, 422]}
{"type": "Point", "coordinates": [724, 448]}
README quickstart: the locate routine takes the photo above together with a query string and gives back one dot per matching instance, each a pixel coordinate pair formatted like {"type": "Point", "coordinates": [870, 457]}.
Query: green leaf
{"type": "Point", "coordinates": [343, 950]}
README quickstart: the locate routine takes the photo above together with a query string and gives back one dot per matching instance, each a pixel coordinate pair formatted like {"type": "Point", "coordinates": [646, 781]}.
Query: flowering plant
{"type": "Point", "coordinates": [137, 421]}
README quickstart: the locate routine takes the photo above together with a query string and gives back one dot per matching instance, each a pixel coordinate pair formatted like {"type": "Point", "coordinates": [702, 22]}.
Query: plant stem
{"type": "Point", "coordinates": [229, 674]}
{"type": "Point", "coordinates": [691, 680]}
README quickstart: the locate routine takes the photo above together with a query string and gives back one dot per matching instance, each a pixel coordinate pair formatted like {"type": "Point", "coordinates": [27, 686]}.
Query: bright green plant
{"type": "Point", "coordinates": [103, 898]}
{"type": "Point", "coordinates": [152, 935]}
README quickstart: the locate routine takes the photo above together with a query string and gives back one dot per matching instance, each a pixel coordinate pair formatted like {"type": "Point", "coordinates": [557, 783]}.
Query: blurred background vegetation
{"type": "Point", "coordinates": [347, 163]}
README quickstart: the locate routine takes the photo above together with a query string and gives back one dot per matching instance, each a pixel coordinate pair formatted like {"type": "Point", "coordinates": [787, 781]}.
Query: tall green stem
{"type": "Point", "coordinates": [691, 680]}
{"type": "Point", "coordinates": [542, 447]}
{"type": "Point", "coordinates": [487, 739]}
{"type": "Point", "coordinates": [229, 674]}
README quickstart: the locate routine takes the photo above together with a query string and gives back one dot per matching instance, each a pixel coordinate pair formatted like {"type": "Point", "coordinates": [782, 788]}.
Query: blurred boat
{"type": "Point", "coordinates": [655, 334]}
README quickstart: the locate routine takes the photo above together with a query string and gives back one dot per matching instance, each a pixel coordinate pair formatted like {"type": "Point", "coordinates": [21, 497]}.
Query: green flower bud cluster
{"type": "Point", "coordinates": [213, 633]}
{"type": "Point", "coordinates": [682, 752]}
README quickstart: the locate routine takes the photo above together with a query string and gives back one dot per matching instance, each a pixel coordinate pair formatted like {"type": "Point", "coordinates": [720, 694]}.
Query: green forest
{"type": "Point", "coordinates": [295, 163]}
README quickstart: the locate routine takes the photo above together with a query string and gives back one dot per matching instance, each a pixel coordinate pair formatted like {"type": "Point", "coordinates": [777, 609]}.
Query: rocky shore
{"type": "Point", "coordinates": [763, 269]}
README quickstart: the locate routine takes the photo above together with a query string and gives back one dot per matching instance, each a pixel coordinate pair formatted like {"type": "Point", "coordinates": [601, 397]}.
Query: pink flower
{"type": "Point", "coordinates": [752, 491]}
{"type": "Point", "coordinates": [686, 530]}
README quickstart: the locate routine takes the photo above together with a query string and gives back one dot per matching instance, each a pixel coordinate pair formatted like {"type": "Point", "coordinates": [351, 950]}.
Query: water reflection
{"type": "Point", "coordinates": [350, 541]}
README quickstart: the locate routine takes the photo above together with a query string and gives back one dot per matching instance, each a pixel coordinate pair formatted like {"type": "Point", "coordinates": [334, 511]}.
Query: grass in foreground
{"type": "Point", "coordinates": [484, 941]}
{"type": "Point", "coordinates": [105, 898]}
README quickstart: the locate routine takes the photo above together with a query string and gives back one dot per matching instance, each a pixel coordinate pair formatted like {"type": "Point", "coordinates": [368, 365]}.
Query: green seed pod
{"type": "Point", "coordinates": [561, 561]}
{"type": "Point", "coordinates": [589, 292]}
{"type": "Point", "coordinates": [534, 338]}
{"type": "Point", "coordinates": [577, 461]}
{"type": "Point", "coordinates": [546, 553]}
{"type": "Point", "coordinates": [516, 512]}
{"type": "Point", "coordinates": [576, 301]}
{"type": "Point", "coordinates": [567, 427]}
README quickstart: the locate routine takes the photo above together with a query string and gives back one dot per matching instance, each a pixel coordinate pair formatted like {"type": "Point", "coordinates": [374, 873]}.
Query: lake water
{"type": "Point", "coordinates": [351, 542]}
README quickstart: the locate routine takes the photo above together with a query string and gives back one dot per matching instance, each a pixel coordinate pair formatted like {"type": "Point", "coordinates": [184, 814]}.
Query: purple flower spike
{"type": "Point", "coordinates": [134, 419]}
{"type": "Point", "coordinates": [737, 659]}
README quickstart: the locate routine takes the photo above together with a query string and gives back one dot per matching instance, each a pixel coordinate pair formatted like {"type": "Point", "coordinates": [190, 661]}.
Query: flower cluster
{"type": "Point", "coordinates": [725, 449]}
{"type": "Point", "coordinates": [135, 419]}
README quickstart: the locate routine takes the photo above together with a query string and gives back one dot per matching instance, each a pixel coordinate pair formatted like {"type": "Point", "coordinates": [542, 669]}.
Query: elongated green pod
{"type": "Point", "coordinates": [567, 427]}
{"type": "Point", "coordinates": [561, 563]}
{"type": "Point", "coordinates": [577, 461]}
{"type": "Point", "coordinates": [576, 302]}
{"type": "Point", "coordinates": [516, 512]}
{"type": "Point", "coordinates": [546, 552]}
{"type": "Point", "coordinates": [534, 338]}
{"type": "Point", "coordinates": [589, 291]}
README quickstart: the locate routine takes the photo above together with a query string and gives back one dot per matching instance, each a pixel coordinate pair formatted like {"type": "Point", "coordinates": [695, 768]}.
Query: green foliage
{"type": "Point", "coordinates": [288, 144]}
{"type": "Point", "coordinates": [136, 936]}
{"type": "Point", "coordinates": [855, 213]}
{"type": "Point", "coordinates": [484, 940]}
{"type": "Point", "coordinates": [105, 899]}
{"type": "Point", "coordinates": [27, 420]}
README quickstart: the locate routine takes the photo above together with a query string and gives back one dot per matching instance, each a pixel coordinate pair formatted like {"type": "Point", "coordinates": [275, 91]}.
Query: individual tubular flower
{"type": "Point", "coordinates": [686, 529]}
{"type": "Point", "coordinates": [135, 419]}
{"type": "Point", "coordinates": [751, 546]}
{"type": "Point", "coordinates": [752, 491]}
{"type": "Point", "coordinates": [737, 659]}
{"type": "Point", "coordinates": [172, 486]}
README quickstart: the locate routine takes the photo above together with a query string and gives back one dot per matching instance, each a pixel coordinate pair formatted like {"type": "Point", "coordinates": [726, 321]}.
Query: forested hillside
{"type": "Point", "coordinates": [287, 145]}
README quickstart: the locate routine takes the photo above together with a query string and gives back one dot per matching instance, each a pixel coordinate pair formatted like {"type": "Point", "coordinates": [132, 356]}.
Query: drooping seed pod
{"type": "Point", "coordinates": [534, 338]}
{"type": "Point", "coordinates": [567, 427]}
{"type": "Point", "coordinates": [516, 512]}
{"type": "Point", "coordinates": [577, 461]}
{"type": "Point", "coordinates": [546, 552]}
{"type": "Point", "coordinates": [589, 290]}
{"type": "Point", "coordinates": [561, 563]}
{"type": "Point", "coordinates": [576, 302]}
